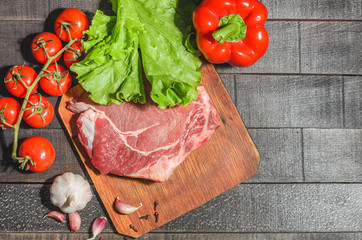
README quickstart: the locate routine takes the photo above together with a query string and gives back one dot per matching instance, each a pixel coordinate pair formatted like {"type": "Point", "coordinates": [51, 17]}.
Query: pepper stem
{"type": "Point", "coordinates": [222, 34]}
{"type": "Point", "coordinates": [232, 28]}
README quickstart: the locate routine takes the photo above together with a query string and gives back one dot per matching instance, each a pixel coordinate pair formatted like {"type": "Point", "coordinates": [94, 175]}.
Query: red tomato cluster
{"type": "Point", "coordinates": [37, 152]}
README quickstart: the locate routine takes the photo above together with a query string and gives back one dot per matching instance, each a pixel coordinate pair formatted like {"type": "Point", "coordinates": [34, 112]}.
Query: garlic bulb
{"type": "Point", "coordinates": [70, 192]}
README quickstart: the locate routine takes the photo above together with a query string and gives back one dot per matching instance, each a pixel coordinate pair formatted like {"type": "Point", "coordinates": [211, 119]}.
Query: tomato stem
{"type": "Point", "coordinates": [3, 119]}
{"type": "Point", "coordinates": [29, 89]}
{"type": "Point", "coordinates": [25, 162]}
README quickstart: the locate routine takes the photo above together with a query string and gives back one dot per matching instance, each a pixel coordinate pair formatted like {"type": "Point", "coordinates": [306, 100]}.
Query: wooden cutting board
{"type": "Point", "coordinates": [227, 159]}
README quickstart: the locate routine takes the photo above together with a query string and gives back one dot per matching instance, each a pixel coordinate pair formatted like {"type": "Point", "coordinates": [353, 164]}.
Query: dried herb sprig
{"type": "Point", "coordinates": [133, 227]}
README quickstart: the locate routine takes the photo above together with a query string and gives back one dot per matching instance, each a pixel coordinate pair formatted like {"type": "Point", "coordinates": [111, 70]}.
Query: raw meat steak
{"type": "Point", "coordinates": [143, 141]}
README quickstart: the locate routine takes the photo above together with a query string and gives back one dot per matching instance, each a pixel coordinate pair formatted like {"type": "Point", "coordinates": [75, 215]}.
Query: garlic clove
{"type": "Point", "coordinates": [98, 226]}
{"type": "Point", "coordinates": [74, 221]}
{"type": "Point", "coordinates": [56, 215]}
{"type": "Point", "coordinates": [124, 208]}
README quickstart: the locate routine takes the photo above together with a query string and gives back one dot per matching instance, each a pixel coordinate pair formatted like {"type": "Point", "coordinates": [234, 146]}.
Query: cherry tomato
{"type": "Point", "coordinates": [74, 54]}
{"type": "Point", "coordinates": [43, 43]}
{"type": "Point", "coordinates": [57, 80]}
{"type": "Point", "coordinates": [40, 152]}
{"type": "Point", "coordinates": [9, 112]}
{"type": "Point", "coordinates": [40, 111]}
{"type": "Point", "coordinates": [13, 83]}
{"type": "Point", "coordinates": [71, 22]}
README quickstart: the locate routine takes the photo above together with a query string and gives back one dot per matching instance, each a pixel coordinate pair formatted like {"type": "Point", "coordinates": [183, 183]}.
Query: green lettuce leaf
{"type": "Point", "coordinates": [170, 68]}
{"type": "Point", "coordinates": [112, 70]}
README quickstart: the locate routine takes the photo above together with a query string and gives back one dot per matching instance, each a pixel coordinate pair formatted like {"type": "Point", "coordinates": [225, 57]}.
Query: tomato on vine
{"type": "Point", "coordinates": [56, 81]}
{"type": "Point", "coordinates": [9, 112]}
{"type": "Point", "coordinates": [36, 154]}
{"type": "Point", "coordinates": [70, 24]}
{"type": "Point", "coordinates": [74, 54]}
{"type": "Point", "coordinates": [39, 111]}
{"type": "Point", "coordinates": [18, 78]}
{"type": "Point", "coordinates": [45, 45]}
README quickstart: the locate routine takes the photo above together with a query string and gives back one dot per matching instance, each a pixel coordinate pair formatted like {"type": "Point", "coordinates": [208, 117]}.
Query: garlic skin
{"type": "Point", "coordinates": [70, 192]}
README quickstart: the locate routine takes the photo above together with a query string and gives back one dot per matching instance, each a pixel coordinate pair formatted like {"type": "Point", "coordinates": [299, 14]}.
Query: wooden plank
{"type": "Point", "coordinates": [353, 101]}
{"type": "Point", "coordinates": [331, 47]}
{"type": "Point", "coordinates": [258, 208]}
{"type": "Point", "coordinates": [280, 151]}
{"type": "Point", "coordinates": [229, 83]}
{"type": "Point", "coordinates": [290, 101]}
{"type": "Point", "coordinates": [24, 10]}
{"type": "Point", "coordinates": [279, 208]}
{"type": "Point", "coordinates": [187, 236]}
{"type": "Point", "coordinates": [310, 9]}
{"type": "Point", "coordinates": [228, 158]}
{"type": "Point", "coordinates": [65, 159]}
{"type": "Point", "coordinates": [333, 155]}
{"type": "Point", "coordinates": [24, 205]}
{"type": "Point", "coordinates": [282, 55]}
{"type": "Point", "coordinates": [15, 40]}
{"type": "Point", "coordinates": [89, 7]}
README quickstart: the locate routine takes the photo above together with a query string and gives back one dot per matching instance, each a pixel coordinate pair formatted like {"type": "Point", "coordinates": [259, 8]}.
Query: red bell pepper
{"type": "Point", "coordinates": [231, 31]}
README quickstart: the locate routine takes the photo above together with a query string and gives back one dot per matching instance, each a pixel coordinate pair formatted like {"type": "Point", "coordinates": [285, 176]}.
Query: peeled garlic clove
{"type": "Point", "coordinates": [56, 215]}
{"type": "Point", "coordinates": [98, 226]}
{"type": "Point", "coordinates": [124, 208]}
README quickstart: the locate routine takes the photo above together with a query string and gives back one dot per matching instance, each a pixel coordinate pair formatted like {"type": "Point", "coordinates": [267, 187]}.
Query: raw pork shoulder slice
{"type": "Point", "coordinates": [143, 141]}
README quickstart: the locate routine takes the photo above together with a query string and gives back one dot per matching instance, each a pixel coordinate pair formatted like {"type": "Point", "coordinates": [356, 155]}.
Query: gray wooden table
{"type": "Point", "coordinates": [302, 104]}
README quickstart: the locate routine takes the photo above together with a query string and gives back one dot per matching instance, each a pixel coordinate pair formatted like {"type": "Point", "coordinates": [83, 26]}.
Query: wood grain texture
{"type": "Point", "coordinates": [258, 208]}
{"type": "Point", "coordinates": [65, 159]}
{"type": "Point", "coordinates": [353, 101]}
{"type": "Point", "coordinates": [304, 39]}
{"type": "Point", "coordinates": [310, 9]}
{"type": "Point", "coordinates": [229, 83]}
{"type": "Point", "coordinates": [290, 101]}
{"type": "Point", "coordinates": [85, 5]}
{"type": "Point", "coordinates": [24, 10]}
{"type": "Point", "coordinates": [15, 40]}
{"type": "Point", "coordinates": [24, 205]}
{"type": "Point", "coordinates": [228, 158]}
{"type": "Point", "coordinates": [89, 7]}
{"type": "Point", "coordinates": [280, 151]}
{"type": "Point", "coordinates": [331, 47]}
{"type": "Point", "coordinates": [188, 236]}
{"type": "Point", "coordinates": [278, 208]}
{"type": "Point", "coordinates": [333, 155]}
{"type": "Point", "coordinates": [282, 55]}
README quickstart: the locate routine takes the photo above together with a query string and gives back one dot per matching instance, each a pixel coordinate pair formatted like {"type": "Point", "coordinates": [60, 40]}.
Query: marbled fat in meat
{"type": "Point", "coordinates": [143, 141]}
